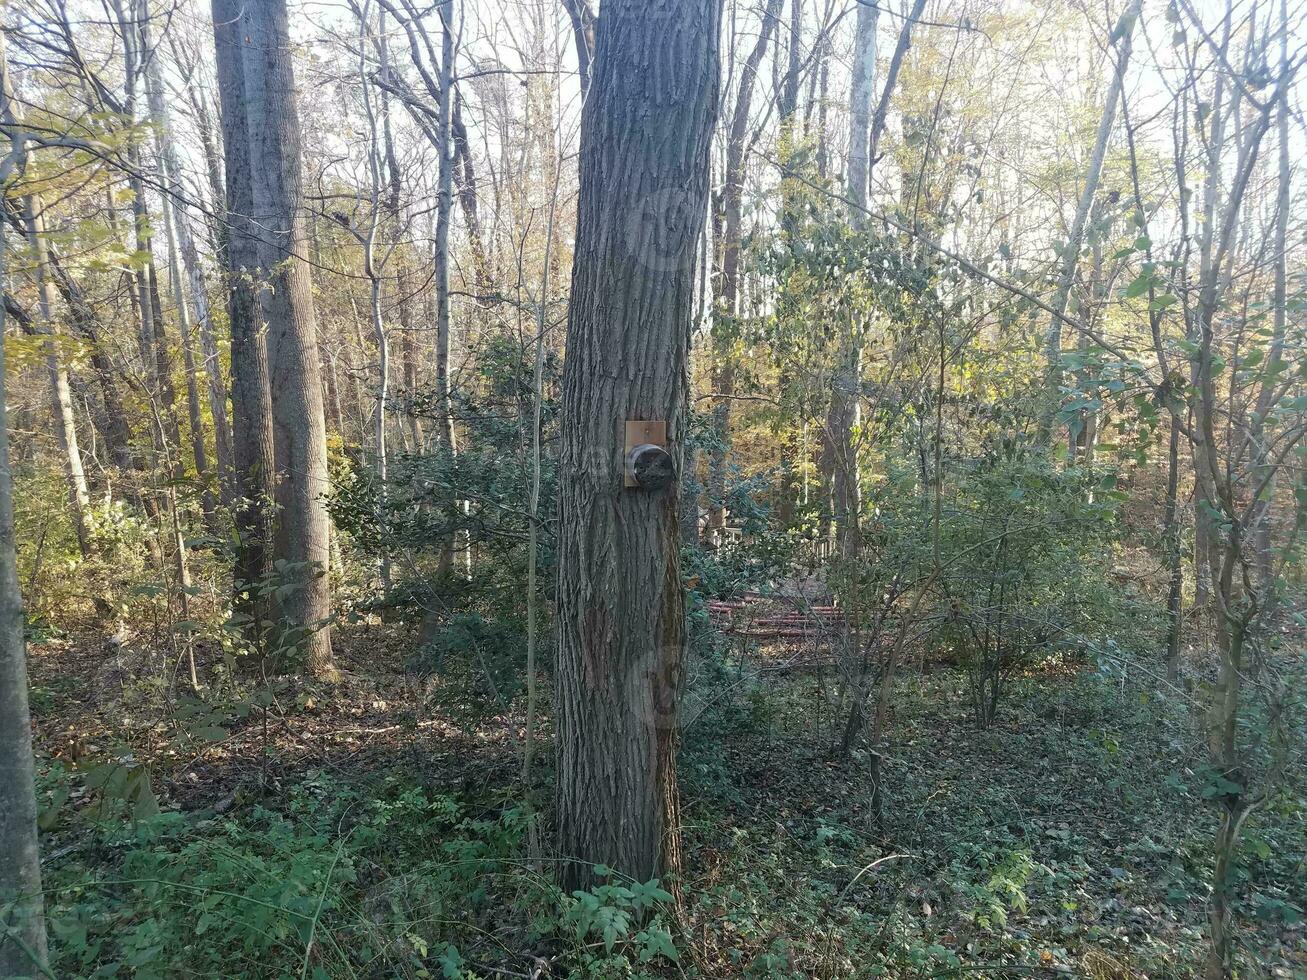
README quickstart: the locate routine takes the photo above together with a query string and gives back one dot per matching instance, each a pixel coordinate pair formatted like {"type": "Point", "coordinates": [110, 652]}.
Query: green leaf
{"type": "Point", "coordinates": [1139, 285]}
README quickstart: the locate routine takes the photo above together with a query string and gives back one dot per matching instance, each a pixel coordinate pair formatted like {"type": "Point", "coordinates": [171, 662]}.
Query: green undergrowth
{"type": "Point", "coordinates": [1069, 839]}
{"type": "Point", "coordinates": [332, 881]}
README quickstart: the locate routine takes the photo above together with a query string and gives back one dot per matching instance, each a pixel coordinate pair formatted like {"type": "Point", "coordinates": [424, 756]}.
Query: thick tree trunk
{"type": "Point", "coordinates": [251, 400]}
{"type": "Point", "coordinates": [646, 131]}
{"type": "Point", "coordinates": [303, 527]}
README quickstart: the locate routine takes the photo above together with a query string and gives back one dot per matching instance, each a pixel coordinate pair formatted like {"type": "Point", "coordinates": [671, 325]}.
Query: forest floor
{"type": "Point", "coordinates": [364, 829]}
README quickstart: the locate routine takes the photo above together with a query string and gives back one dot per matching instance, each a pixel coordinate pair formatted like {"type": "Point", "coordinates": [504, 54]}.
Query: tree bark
{"type": "Point", "coordinates": [251, 399]}
{"type": "Point", "coordinates": [88, 327]}
{"type": "Point", "coordinates": [65, 422]}
{"type": "Point", "coordinates": [582, 17]}
{"type": "Point", "coordinates": [838, 454]}
{"type": "Point", "coordinates": [22, 944]}
{"type": "Point", "coordinates": [1262, 519]}
{"type": "Point", "coordinates": [646, 131]}
{"type": "Point", "coordinates": [303, 527]}
{"type": "Point", "coordinates": [440, 256]}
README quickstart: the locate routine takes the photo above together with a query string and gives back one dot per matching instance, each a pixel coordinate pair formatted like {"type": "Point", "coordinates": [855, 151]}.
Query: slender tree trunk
{"type": "Point", "coordinates": [725, 322]}
{"type": "Point", "coordinates": [583, 33]}
{"type": "Point", "coordinates": [1262, 519]}
{"type": "Point", "coordinates": [1084, 207]}
{"type": "Point", "coordinates": [64, 422]}
{"type": "Point", "coordinates": [61, 402]}
{"type": "Point", "coordinates": [380, 151]}
{"type": "Point", "coordinates": [22, 943]}
{"type": "Point", "coordinates": [303, 527]}
{"type": "Point", "coordinates": [183, 248]}
{"type": "Point", "coordinates": [465, 180]}
{"type": "Point", "coordinates": [533, 533]}
{"type": "Point", "coordinates": [383, 398]}
{"type": "Point", "coordinates": [199, 452]}
{"type": "Point", "coordinates": [839, 454]}
{"type": "Point", "coordinates": [646, 130]}
{"type": "Point", "coordinates": [1175, 564]}
{"type": "Point", "coordinates": [444, 208]}
{"type": "Point", "coordinates": [87, 326]}
{"type": "Point", "coordinates": [409, 358]}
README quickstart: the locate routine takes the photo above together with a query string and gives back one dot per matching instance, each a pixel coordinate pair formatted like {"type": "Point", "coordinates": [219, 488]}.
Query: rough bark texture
{"type": "Point", "coordinates": [303, 527]}
{"type": "Point", "coordinates": [252, 450]}
{"type": "Point", "coordinates": [646, 129]}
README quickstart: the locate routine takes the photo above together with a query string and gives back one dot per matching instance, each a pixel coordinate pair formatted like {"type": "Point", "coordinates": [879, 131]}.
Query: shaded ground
{"type": "Point", "coordinates": [1068, 838]}
{"type": "Point", "coordinates": [374, 829]}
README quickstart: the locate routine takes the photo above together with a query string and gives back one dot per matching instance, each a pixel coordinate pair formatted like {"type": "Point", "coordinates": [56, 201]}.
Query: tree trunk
{"type": "Point", "coordinates": [839, 454]}
{"type": "Point", "coordinates": [189, 257]}
{"type": "Point", "coordinates": [1076, 235]}
{"type": "Point", "coordinates": [61, 402]}
{"type": "Point", "coordinates": [303, 527]}
{"type": "Point", "coordinates": [251, 399]}
{"type": "Point", "coordinates": [583, 33]}
{"type": "Point", "coordinates": [725, 322]}
{"type": "Point", "coordinates": [1279, 305]}
{"type": "Point", "coordinates": [444, 208]}
{"type": "Point", "coordinates": [87, 326]}
{"type": "Point", "coordinates": [199, 452]}
{"type": "Point", "coordinates": [22, 943]}
{"type": "Point", "coordinates": [1175, 566]}
{"type": "Point", "coordinates": [646, 131]}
